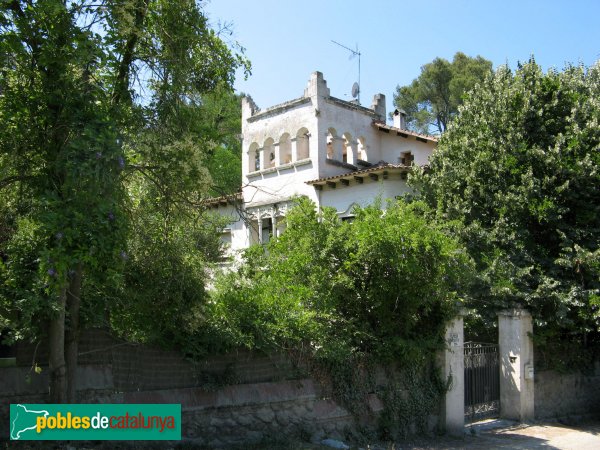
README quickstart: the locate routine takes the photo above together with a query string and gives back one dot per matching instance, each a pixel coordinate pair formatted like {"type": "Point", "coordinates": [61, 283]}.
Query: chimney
{"type": "Point", "coordinates": [317, 86]}
{"type": "Point", "coordinates": [249, 108]}
{"type": "Point", "coordinates": [378, 106]}
{"type": "Point", "coordinates": [400, 119]}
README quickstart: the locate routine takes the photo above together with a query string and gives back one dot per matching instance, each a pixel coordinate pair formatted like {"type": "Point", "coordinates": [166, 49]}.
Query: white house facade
{"type": "Point", "coordinates": [336, 152]}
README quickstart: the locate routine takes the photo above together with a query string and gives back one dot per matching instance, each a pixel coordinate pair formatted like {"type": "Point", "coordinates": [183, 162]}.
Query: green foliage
{"type": "Point", "coordinates": [519, 167]}
{"type": "Point", "coordinates": [384, 284]}
{"type": "Point", "coordinates": [576, 352]}
{"type": "Point", "coordinates": [221, 119]}
{"type": "Point", "coordinates": [225, 167]}
{"type": "Point", "coordinates": [162, 292]}
{"type": "Point", "coordinates": [347, 296]}
{"type": "Point", "coordinates": [104, 148]}
{"type": "Point", "coordinates": [411, 396]}
{"type": "Point", "coordinates": [58, 156]}
{"type": "Point", "coordinates": [28, 290]}
{"type": "Point", "coordinates": [431, 101]}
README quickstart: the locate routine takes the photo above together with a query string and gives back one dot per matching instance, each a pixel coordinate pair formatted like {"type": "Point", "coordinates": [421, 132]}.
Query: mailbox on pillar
{"type": "Point", "coordinates": [515, 329]}
{"type": "Point", "coordinates": [529, 374]}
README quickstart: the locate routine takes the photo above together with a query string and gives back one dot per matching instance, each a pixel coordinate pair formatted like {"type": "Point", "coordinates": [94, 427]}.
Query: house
{"type": "Point", "coordinates": [336, 152]}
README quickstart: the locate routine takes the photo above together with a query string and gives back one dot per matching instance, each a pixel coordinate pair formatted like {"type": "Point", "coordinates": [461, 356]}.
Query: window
{"type": "Point", "coordinates": [362, 149]}
{"type": "Point", "coordinates": [226, 238]}
{"type": "Point", "coordinates": [302, 144]}
{"type": "Point", "coordinates": [334, 145]}
{"type": "Point", "coordinates": [348, 149]}
{"type": "Point", "coordinates": [253, 158]}
{"type": "Point", "coordinates": [269, 153]}
{"type": "Point", "coordinates": [330, 145]}
{"type": "Point", "coordinates": [407, 158]}
{"type": "Point", "coordinates": [285, 149]}
{"type": "Point", "coordinates": [267, 230]}
{"type": "Point", "coordinates": [225, 244]}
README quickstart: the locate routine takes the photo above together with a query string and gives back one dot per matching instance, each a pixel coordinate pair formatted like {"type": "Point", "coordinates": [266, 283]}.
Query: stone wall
{"type": "Point", "coordinates": [253, 412]}
{"type": "Point", "coordinates": [567, 395]}
{"type": "Point", "coordinates": [239, 397]}
{"type": "Point", "coordinates": [247, 413]}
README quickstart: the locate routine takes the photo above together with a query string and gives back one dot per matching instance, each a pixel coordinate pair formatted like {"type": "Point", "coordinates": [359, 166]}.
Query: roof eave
{"type": "Point", "coordinates": [405, 133]}
{"type": "Point", "coordinates": [366, 173]}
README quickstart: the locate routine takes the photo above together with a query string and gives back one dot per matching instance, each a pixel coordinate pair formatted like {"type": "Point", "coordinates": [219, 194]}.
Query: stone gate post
{"type": "Point", "coordinates": [453, 367]}
{"type": "Point", "coordinates": [515, 329]}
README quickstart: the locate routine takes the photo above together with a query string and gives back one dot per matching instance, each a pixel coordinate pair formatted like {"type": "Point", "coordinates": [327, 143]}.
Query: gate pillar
{"type": "Point", "coordinates": [453, 369]}
{"type": "Point", "coordinates": [515, 329]}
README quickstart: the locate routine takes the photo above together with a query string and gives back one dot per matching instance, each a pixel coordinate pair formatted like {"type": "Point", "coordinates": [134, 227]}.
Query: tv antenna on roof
{"type": "Point", "coordinates": [353, 54]}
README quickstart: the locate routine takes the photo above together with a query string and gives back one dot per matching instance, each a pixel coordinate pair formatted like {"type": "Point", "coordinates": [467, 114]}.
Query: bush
{"type": "Point", "coordinates": [383, 285]}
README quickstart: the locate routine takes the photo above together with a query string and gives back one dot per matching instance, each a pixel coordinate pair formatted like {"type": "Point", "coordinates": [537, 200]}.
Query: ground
{"type": "Point", "coordinates": [543, 436]}
{"type": "Point", "coordinates": [490, 435]}
{"type": "Point", "coordinates": [583, 436]}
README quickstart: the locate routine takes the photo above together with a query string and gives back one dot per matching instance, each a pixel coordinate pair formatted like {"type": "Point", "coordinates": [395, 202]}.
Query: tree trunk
{"type": "Point", "coordinates": [73, 332]}
{"type": "Point", "coordinates": [56, 358]}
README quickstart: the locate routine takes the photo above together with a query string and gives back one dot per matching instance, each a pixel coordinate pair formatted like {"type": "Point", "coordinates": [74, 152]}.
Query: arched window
{"type": "Point", "coordinates": [253, 158]}
{"type": "Point", "coordinates": [285, 149]}
{"type": "Point", "coordinates": [269, 153]}
{"type": "Point", "coordinates": [302, 144]}
{"type": "Point", "coordinates": [333, 150]}
{"type": "Point", "coordinates": [348, 152]}
{"type": "Point", "coordinates": [362, 149]}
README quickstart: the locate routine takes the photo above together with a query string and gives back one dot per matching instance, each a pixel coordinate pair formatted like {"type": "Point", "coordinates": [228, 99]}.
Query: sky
{"type": "Point", "coordinates": [287, 40]}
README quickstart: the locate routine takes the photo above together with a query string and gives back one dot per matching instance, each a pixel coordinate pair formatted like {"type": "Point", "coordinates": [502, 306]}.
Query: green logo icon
{"type": "Point", "coordinates": [95, 422]}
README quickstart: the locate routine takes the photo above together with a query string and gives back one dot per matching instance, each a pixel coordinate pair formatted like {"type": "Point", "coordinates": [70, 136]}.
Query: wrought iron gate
{"type": "Point", "coordinates": [482, 381]}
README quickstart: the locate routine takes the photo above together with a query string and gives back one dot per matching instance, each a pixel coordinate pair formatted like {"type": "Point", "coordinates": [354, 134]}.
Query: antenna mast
{"type": "Point", "coordinates": [353, 53]}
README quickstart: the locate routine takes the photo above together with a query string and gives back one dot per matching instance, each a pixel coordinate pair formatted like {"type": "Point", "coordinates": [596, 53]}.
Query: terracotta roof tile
{"type": "Point", "coordinates": [382, 166]}
{"type": "Point", "coordinates": [400, 132]}
{"type": "Point", "coordinates": [215, 201]}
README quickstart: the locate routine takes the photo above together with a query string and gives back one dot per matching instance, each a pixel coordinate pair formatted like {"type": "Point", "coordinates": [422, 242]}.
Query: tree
{"type": "Point", "coordinates": [162, 283]}
{"type": "Point", "coordinates": [431, 101]}
{"type": "Point", "coordinates": [221, 118]}
{"type": "Point", "coordinates": [519, 167]}
{"type": "Point", "coordinates": [93, 95]}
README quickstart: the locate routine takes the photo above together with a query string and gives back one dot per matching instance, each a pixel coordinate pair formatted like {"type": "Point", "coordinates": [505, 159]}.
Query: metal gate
{"type": "Point", "coordinates": [482, 381]}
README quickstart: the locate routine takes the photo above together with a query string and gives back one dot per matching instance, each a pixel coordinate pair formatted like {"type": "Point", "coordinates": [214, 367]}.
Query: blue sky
{"type": "Point", "coordinates": [287, 40]}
